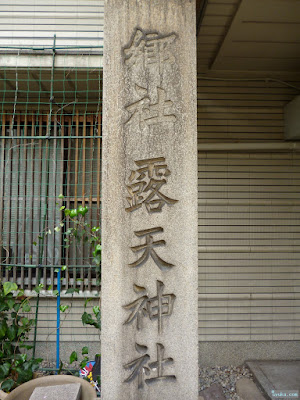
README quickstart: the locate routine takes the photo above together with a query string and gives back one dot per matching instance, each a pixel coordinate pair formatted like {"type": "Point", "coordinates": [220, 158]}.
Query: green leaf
{"type": "Point", "coordinates": [87, 319]}
{"type": "Point", "coordinates": [10, 303]}
{"type": "Point", "coordinates": [96, 310]}
{"type": "Point", "coordinates": [7, 385]}
{"type": "Point", "coordinates": [3, 329]}
{"type": "Point", "coordinates": [26, 307]}
{"type": "Point", "coordinates": [63, 308]}
{"type": "Point", "coordinates": [84, 362]}
{"type": "Point", "coordinates": [55, 292]}
{"type": "Point", "coordinates": [4, 370]}
{"type": "Point", "coordinates": [25, 346]}
{"type": "Point", "coordinates": [20, 293]}
{"type": "Point", "coordinates": [22, 357]}
{"type": "Point", "coordinates": [61, 196]}
{"type": "Point", "coordinates": [72, 290]}
{"type": "Point", "coordinates": [97, 259]}
{"type": "Point", "coordinates": [64, 267]}
{"type": "Point", "coordinates": [73, 357]}
{"type": "Point", "coordinates": [12, 333]}
{"type": "Point", "coordinates": [62, 208]}
{"type": "Point", "coordinates": [24, 375]}
{"type": "Point", "coordinates": [85, 350]}
{"type": "Point", "coordinates": [9, 287]}
{"type": "Point", "coordinates": [34, 243]}
{"type": "Point", "coordinates": [61, 364]}
{"type": "Point", "coordinates": [57, 229]}
{"type": "Point", "coordinates": [24, 321]}
{"type": "Point", "coordinates": [86, 301]}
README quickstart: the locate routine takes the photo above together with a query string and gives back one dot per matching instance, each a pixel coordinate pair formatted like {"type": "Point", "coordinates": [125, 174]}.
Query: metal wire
{"type": "Point", "coordinates": [50, 126]}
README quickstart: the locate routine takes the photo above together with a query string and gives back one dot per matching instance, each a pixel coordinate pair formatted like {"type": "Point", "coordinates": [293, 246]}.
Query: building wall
{"type": "Point", "coordinates": [34, 23]}
{"type": "Point", "coordinates": [249, 225]}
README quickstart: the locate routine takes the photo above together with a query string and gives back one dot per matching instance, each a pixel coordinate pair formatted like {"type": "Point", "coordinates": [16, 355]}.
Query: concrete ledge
{"type": "Point", "coordinates": [236, 353]}
{"type": "Point", "coordinates": [276, 375]}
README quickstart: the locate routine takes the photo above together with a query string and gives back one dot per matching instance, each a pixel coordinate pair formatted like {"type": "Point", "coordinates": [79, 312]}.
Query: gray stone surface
{"type": "Point", "coordinates": [276, 375]}
{"type": "Point", "coordinates": [70, 391]}
{"type": "Point", "coordinates": [236, 353]}
{"type": "Point", "coordinates": [247, 390]}
{"type": "Point", "coordinates": [3, 395]}
{"type": "Point", "coordinates": [214, 392]}
{"type": "Point", "coordinates": [149, 208]}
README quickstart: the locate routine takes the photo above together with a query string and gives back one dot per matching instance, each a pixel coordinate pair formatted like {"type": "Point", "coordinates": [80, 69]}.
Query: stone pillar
{"type": "Point", "coordinates": [149, 201]}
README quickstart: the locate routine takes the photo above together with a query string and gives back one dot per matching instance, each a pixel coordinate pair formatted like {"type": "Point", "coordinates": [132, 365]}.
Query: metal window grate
{"type": "Point", "coordinates": [50, 144]}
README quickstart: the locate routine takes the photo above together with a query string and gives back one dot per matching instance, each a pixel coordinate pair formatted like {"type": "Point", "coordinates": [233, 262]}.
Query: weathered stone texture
{"type": "Point", "coordinates": [70, 391]}
{"type": "Point", "coordinates": [149, 227]}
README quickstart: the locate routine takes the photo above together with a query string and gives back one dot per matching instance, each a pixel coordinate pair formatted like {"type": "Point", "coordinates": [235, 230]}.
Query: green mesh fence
{"type": "Point", "coordinates": [50, 146]}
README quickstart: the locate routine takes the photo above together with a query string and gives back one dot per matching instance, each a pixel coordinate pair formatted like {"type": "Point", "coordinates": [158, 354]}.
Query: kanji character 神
{"type": "Point", "coordinates": [156, 308]}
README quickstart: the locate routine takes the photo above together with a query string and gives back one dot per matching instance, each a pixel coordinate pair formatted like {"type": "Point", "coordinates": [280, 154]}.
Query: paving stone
{"type": "Point", "coordinates": [70, 391]}
{"type": "Point", "coordinates": [247, 390]}
{"type": "Point", "coordinates": [214, 392]}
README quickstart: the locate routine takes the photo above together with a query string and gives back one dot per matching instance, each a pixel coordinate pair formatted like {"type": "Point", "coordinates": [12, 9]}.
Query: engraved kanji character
{"type": "Point", "coordinates": [159, 366]}
{"type": "Point", "coordinates": [140, 370]}
{"type": "Point", "coordinates": [150, 48]}
{"type": "Point", "coordinates": [148, 248]}
{"type": "Point", "coordinates": [160, 112]}
{"type": "Point", "coordinates": [155, 307]}
{"type": "Point", "coordinates": [146, 114]}
{"type": "Point", "coordinates": [138, 367]}
{"type": "Point", "coordinates": [149, 178]}
{"type": "Point", "coordinates": [157, 49]}
{"type": "Point", "coordinates": [135, 51]}
{"type": "Point", "coordinates": [161, 305]}
{"type": "Point", "coordinates": [138, 108]}
{"type": "Point", "coordinates": [138, 307]}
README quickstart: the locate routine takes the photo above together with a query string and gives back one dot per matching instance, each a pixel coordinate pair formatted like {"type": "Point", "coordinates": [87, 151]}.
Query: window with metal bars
{"type": "Point", "coordinates": [33, 173]}
{"type": "Point", "coordinates": [45, 154]}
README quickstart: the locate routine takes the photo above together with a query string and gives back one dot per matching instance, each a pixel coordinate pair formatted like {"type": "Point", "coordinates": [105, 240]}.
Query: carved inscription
{"type": "Point", "coordinates": [148, 59]}
{"type": "Point", "coordinates": [155, 308]}
{"type": "Point", "coordinates": [144, 113]}
{"type": "Point", "coordinates": [149, 49]}
{"type": "Point", "coordinates": [145, 183]}
{"type": "Point", "coordinates": [141, 366]}
{"type": "Point", "coordinates": [148, 249]}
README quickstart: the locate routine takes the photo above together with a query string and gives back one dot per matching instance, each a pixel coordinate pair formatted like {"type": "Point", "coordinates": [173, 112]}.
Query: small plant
{"type": "Point", "coordinates": [93, 319]}
{"type": "Point", "coordinates": [81, 232]}
{"type": "Point", "coordinates": [16, 366]}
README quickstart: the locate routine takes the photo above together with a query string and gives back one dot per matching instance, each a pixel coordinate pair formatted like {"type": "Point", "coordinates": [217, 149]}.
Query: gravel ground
{"type": "Point", "coordinates": [227, 376]}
